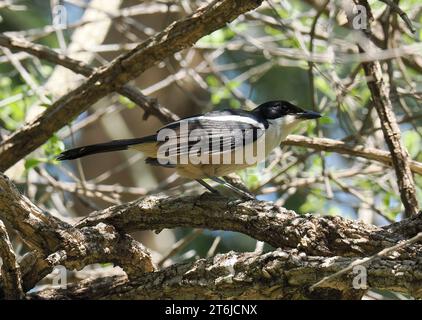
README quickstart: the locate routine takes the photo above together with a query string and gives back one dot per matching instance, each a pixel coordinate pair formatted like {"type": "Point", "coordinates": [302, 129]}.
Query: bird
{"type": "Point", "coordinates": [213, 144]}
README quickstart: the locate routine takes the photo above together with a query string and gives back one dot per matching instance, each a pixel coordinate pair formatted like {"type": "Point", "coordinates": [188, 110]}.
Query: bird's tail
{"type": "Point", "coordinates": [115, 145]}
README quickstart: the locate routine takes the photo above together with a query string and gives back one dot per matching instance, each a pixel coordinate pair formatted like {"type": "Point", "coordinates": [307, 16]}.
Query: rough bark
{"type": "Point", "coordinates": [274, 275]}
{"type": "Point", "coordinates": [58, 243]}
{"type": "Point", "coordinates": [101, 237]}
{"type": "Point", "coordinates": [312, 234]}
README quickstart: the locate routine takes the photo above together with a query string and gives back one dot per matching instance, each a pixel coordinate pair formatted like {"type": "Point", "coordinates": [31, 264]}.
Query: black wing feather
{"type": "Point", "coordinates": [229, 133]}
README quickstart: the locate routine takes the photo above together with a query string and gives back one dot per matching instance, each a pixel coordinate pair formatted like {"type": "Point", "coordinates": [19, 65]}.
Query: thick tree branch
{"type": "Point", "coordinates": [101, 238]}
{"type": "Point", "coordinates": [264, 221]}
{"type": "Point", "coordinates": [400, 156]}
{"type": "Point", "coordinates": [59, 243]}
{"type": "Point", "coordinates": [39, 230]}
{"type": "Point", "coordinates": [274, 275]}
{"type": "Point", "coordinates": [178, 36]}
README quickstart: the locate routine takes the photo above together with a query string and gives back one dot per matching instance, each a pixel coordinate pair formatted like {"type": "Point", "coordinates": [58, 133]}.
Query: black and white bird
{"type": "Point", "coordinates": [213, 144]}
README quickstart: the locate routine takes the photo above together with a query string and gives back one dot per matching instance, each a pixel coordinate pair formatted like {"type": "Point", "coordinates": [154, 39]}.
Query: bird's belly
{"type": "Point", "coordinates": [216, 166]}
{"type": "Point", "coordinates": [208, 170]}
{"type": "Point", "coordinates": [273, 138]}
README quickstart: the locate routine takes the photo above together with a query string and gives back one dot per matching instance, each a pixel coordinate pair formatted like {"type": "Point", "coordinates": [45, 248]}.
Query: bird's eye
{"type": "Point", "coordinates": [283, 109]}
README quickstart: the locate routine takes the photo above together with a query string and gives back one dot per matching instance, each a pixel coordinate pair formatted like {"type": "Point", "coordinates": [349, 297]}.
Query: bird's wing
{"type": "Point", "coordinates": [212, 133]}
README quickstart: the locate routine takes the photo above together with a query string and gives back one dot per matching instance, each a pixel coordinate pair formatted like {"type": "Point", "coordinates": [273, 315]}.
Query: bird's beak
{"type": "Point", "coordinates": [308, 115]}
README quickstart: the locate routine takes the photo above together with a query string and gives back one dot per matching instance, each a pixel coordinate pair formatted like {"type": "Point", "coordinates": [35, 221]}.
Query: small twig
{"type": "Point", "coordinates": [90, 191]}
{"type": "Point", "coordinates": [314, 98]}
{"type": "Point", "coordinates": [180, 245]}
{"type": "Point", "coordinates": [26, 76]}
{"type": "Point", "coordinates": [360, 197]}
{"type": "Point", "coordinates": [214, 245]}
{"type": "Point", "coordinates": [358, 262]}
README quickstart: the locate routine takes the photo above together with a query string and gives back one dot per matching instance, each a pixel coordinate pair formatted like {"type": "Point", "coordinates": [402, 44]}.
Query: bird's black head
{"type": "Point", "coordinates": [278, 109]}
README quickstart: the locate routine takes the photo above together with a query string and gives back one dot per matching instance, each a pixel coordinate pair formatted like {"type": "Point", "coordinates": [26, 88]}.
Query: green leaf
{"type": "Point", "coordinates": [32, 163]}
{"type": "Point", "coordinates": [235, 104]}
{"type": "Point", "coordinates": [312, 204]}
{"type": "Point", "coordinates": [213, 81]}
{"type": "Point", "coordinates": [272, 31]}
{"type": "Point", "coordinates": [126, 102]}
{"type": "Point", "coordinates": [53, 147]}
{"type": "Point", "coordinates": [217, 37]}
{"type": "Point", "coordinates": [322, 85]}
{"type": "Point", "coordinates": [231, 85]}
{"type": "Point", "coordinates": [326, 120]}
{"type": "Point", "coordinates": [412, 142]}
{"type": "Point", "coordinates": [5, 82]}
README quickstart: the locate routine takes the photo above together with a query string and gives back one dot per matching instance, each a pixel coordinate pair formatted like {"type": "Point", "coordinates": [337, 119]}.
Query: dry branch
{"type": "Point", "coordinates": [341, 147]}
{"type": "Point", "coordinates": [275, 275]}
{"type": "Point", "coordinates": [264, 221]}
{"type": "Point", "coordinates": [57, 242]}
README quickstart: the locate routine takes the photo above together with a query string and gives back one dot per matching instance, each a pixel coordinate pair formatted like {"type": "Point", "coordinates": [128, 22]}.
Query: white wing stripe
{"type": "Point", "coordinates": [226, 118]}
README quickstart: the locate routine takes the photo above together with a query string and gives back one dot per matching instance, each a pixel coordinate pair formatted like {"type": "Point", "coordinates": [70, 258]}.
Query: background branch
{"type": "Point", "coordinates": [341, 147]}
{"type": "Point", "coordinates": [380, 97]}
{"type": "Point", "coordinates": [151, 106]}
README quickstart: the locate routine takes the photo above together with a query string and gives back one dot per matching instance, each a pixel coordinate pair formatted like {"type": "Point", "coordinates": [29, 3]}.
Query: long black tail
{"type": "Point", "coordinates": [115, 145]}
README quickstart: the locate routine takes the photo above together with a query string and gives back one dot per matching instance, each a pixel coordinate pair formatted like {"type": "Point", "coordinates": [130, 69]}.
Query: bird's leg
{"type": "Point", "coordinates": [206, 185]}
{"type": "Point", "coordinates": [240, 192]}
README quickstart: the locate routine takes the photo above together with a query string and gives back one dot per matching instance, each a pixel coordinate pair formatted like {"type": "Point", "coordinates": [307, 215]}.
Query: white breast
{"type": "Point", "coordinates": [277, 131]}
